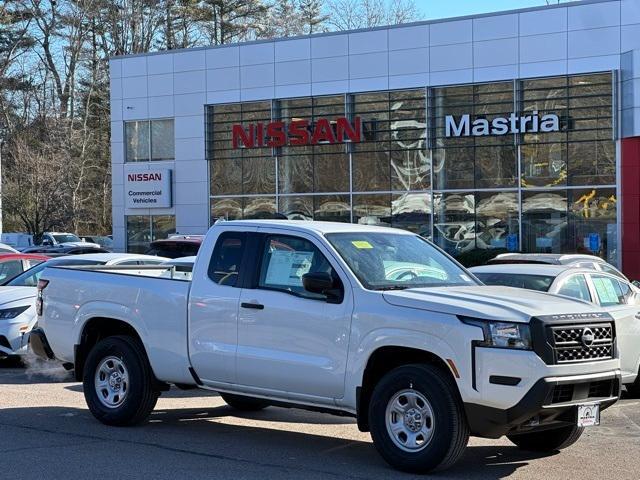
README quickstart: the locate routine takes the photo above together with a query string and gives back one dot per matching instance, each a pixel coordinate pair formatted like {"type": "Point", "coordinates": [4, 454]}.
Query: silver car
{"type": "Point", "coordinates": [615, 295]}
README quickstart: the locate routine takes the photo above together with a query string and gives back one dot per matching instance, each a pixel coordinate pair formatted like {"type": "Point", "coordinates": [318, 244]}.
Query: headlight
{"type": "Point", "coordinates": [502, 334]}
{"type": "Point", "coordinates": [9, 313]}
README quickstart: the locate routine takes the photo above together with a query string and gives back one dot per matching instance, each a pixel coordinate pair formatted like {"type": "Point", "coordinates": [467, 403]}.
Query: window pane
{"type": "Point", "coordinates": [297, 208]}
{"type": "Point", "coordinates": [295, 173]}
{"type": "Point", "coordinates": [454, 222]}
{"type": "Point", "coordinates": [162, 140]}
{"type": "Point", "coordinates": [608, 291]}
{"type": "Point", "coordinates": [226, 177]}
{"type": "Point", "coordinates": [259, 175]}
{"type": "Point", "coordinates": [331, 173]}
{"type": "Point", "coordinates": [453, 168]}
{"type": "Point", "coordinates": [544, 222]}
{"type": "Point", "coordinates": [575, 286]}
{"type": "Point", "coordinates": [137, 139]}
{"type": "Point", "coordinates": [497, 220]}
{"type": "Point", "coordinates": [259, 207]}
{"type": "Point", "coordinates": [226, 208]}
{"type": "Point", "coordinates": [592, 163]}
{"type": "Point", "coordinates": [496, 167]}
{"type": "Point", "coordinates": [138, 233]}
{"type": "Point", "coordinates": [410, 170]}
{"type": "Point", "coordinates": [372, 209]}
{"type": "Point", "coordinates": [371, 171]}
{"type": "Point", "coordinates": [332, 208]}
{"type": "Point", "coordinates": [286, 259]}
{"type": "Point", "coordinates": [412, 211]}
{"type": "Point", "coordinates": [544, 164]}
{"type": "Point", "coordinates": [162, 226]}
{"type": "Point", "coordinates": [592, 222]}
{"type": "Point", "coordinates": [540, 283]}
{"type": "Point", "coordinates": [227, 256]}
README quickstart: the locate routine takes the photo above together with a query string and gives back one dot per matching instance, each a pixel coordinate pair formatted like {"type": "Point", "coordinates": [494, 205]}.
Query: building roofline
{"type": "Point", "coordinates": [372, 29]}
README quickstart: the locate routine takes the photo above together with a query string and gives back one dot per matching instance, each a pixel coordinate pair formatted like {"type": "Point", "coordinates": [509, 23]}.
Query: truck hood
{"type": "Point", "coordinates": [488, 302]}
{"type": "Point", "coordinates": [13, 294]}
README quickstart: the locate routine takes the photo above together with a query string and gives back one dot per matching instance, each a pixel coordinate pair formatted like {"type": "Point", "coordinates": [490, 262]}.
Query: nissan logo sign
{"type": "Point", "coordinates": [588, 337]}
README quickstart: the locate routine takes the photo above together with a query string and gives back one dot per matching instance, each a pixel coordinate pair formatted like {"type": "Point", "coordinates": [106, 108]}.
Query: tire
{"type": "Point", "coordinates": [442, 416]}
{"type": "Point", "coordinates": [548, 440]}
{"type": "Point", "coordinates": [128, 401]}
{"type": "Point", "coordinates": [246, 404]}
{"type": "Point", "coordinates": [633, 389]}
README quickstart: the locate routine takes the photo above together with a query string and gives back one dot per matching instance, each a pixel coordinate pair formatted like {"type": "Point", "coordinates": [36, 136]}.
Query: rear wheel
{"type": "Point", "coordinates": [548, 440]}
{"type": "Point", "coordinates": [118, 382]}
{"type": "Point", "coordinates": [246, 404]}
{"type": "Point", "coordinates": [416, 419]}
{"type": "Point", "coordinates": [633, 389]}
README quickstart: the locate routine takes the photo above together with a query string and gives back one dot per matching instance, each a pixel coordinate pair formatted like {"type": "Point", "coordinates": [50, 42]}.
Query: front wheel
{"type": "Point", "coordinates": [416, 419]}
{"type": "Point", "coordinates": [118, 382]}
{"type": "Point", "coordinates": [548, 440]}
{"type": "Point", "coordinates": [633, 389]}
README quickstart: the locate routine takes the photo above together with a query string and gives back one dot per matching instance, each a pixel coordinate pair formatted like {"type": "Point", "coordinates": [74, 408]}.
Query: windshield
{"type": "Point", "coordinates": [66, 237]}
{"type": "Point", "coordinates": [384, 261]}
{"type": "Point", "coordinates": [530, 282]}
{"type": "Point", "coordinates": [29, 278]}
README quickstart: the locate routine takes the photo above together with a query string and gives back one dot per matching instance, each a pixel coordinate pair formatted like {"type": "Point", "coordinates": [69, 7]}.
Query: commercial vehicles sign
{"type": "Point", "coordinates": [465, 127]}
{"type": "Point", "coordinates": [148, 189]}
{"type": "Point", "coordinates": [297, 132]}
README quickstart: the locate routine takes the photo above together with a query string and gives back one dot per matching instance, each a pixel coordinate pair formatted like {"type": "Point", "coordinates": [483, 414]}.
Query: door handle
{"type": "Point", "coordinates": [257, 306]}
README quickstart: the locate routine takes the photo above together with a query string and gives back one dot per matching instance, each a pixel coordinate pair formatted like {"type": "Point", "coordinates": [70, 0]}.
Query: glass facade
{"type": "Point", "coordinates": [144, 229]}
{"type": "Point", "coordinates": [518, 190]}
{"type": "Point", "coordinates": [149, 140]}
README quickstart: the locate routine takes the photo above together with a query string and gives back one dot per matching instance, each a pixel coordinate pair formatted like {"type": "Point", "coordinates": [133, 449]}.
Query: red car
{"type": "Point", "coordinates": [13, 264]}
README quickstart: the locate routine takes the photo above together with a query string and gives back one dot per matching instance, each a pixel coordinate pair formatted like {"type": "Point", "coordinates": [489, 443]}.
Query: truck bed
{"type": "Point", "coordinates": [156, 307]}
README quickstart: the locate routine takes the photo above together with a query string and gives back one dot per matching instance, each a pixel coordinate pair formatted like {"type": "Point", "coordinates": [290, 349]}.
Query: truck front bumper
{"type": "Point", "coordinates": [550, 402]}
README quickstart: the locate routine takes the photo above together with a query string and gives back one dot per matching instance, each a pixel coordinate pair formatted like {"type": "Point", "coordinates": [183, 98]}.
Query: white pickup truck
{"type": "Point", "coordinates": [371, 322]}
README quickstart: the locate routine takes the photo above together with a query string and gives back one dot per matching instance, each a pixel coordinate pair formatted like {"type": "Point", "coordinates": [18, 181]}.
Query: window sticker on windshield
{"type": "Point", "coordinates": [286, 267]}
{"type": "Point", "coordinates": [606, 292]}
{"type": "Point", "coordinates": [361, 244]}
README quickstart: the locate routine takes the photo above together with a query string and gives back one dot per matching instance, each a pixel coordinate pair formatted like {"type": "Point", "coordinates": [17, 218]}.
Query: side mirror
{"type": "Point", "coordinates": [322, 283]}
{"type": "Point", "coordinates": [47, 243]}
{"type": "Point", "coordinates": [636, 283]}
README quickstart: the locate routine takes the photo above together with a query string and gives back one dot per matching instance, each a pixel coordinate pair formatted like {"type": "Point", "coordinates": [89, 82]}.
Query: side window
{"type": "Point", "coordinates": [575, 286]}
{"type": "Point", "coordinates": [10, 269]}
{"type": "Point", "coordinates": [609, 269]}
{"type": "Point", "coordinates": [286, 259]}
{"type": "Point", "coordinates": [627, 293]}
{"type": "Point", "coordinates": [129, 262]}
{"type": "Point", "coordinates": [608, 290]}
{"type": "Point", "coordinates": [227, 256]}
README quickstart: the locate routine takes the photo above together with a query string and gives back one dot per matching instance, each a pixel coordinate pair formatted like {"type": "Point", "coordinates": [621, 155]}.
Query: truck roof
{"type": "Point", "coordinates": [313, 226]}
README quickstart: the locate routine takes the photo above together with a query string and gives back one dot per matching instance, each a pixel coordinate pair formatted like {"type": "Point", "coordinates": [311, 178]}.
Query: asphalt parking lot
{"type": "Point", "coordinates": [47, 432]}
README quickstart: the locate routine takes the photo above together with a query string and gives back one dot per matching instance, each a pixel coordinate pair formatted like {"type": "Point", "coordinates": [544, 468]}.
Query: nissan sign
{"type": "Point", "coordinates": [297, 132]}
{"type": "Point", "coordinates": [148, 189]}
{"type": "Point", "coordinates": [533, 123]}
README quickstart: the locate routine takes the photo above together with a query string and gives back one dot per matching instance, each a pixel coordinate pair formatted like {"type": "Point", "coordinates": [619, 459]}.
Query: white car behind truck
{"type": "Point", "coordinates": [371, 322]}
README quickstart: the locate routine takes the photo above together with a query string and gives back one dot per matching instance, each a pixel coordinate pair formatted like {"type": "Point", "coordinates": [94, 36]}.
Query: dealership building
{"type": "Point", "coordinates": [513, 131]}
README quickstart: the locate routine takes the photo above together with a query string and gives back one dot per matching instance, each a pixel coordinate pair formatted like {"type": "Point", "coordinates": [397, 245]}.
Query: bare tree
{"type": "Point", "coordinates": [352, 14]}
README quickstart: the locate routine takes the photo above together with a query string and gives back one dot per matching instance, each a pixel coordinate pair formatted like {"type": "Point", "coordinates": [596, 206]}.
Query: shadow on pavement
{"type": "Point", "coordinates": [195, 438]}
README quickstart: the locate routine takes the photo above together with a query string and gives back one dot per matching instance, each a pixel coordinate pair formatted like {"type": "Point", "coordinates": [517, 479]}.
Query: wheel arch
{"type": "Point", "coordinates": [382, 361]}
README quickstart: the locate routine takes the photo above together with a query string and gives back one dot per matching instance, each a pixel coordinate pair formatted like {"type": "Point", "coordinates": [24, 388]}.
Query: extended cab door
{"type": "Point", "coordinates": [617, 298]}
{"type": "Point", "coordinates": [291, 340]}
{"type": "Point", "coordinates": [213, 306]}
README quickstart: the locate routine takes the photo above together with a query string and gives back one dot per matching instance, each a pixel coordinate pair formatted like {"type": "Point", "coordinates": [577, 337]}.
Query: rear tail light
{"type": "Point", "coordinates": [42, 284]}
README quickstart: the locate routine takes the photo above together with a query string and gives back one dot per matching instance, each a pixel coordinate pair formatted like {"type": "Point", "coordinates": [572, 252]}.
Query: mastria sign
{"type": "Point", "coordinates": [297, 132]}
{"type": "Point", "coordinates": [501, 125]}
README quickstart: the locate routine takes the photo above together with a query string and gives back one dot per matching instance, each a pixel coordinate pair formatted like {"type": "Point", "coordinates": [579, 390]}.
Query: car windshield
{"type": "Point", "coordinates": [29, 278]}
{"type": "Point", "coordinates": [66, 237]}
{"type": "Point", "coordinates": [388, 261]}
{"type": "Point", "coordinates": [530, 282]}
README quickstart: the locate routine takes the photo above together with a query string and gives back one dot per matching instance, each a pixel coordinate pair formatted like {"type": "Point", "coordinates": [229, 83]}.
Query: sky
{"type": "Point", "coordinates": [434, 9]}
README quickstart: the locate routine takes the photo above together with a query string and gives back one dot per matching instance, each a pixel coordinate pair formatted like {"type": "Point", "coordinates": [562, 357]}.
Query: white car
{"type": "Point", "coordinates": [365, 321]}
{"type": "Point", "coordinates": [614, 294]}
{"type": "Point", "coordinates": [17, 297]}
{"type": "Point", "coordinates": [62, 239]}
{"type": "Point", "coordinates": [4, 248]}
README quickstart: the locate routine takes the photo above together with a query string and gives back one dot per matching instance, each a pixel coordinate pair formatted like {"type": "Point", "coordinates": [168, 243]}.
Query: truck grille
{"type": "Point", "coordinates": [582, 343]}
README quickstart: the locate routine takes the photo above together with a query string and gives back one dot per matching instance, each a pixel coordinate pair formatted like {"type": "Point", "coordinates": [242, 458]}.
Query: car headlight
{"type": "Point", "coordinates": [9, 313]}
{"type": "Point", "coordinates": [502, 334]}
